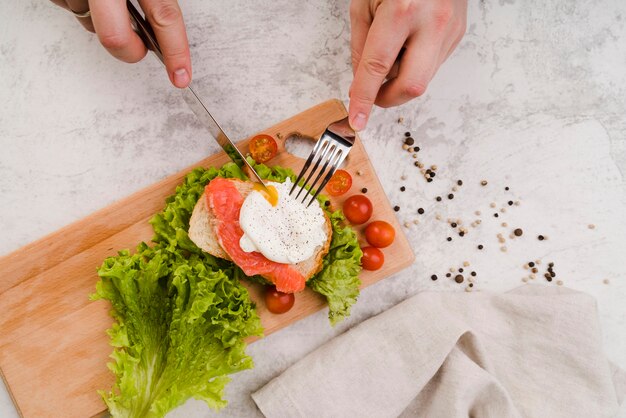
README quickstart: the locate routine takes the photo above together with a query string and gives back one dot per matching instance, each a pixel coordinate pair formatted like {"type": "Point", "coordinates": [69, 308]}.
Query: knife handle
{"type": "Point", "coordinates": [144, 30]}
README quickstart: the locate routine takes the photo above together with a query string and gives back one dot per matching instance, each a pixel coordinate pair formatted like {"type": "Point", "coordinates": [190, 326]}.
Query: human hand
{"type": "Point", "coordinates": [426, 31]}
{"type": "Point", "coordinates": [111, 22]}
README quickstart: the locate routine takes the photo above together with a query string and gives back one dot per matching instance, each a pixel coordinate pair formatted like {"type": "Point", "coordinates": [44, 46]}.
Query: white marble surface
{"type": "Point", "coordinates": [534, 98]}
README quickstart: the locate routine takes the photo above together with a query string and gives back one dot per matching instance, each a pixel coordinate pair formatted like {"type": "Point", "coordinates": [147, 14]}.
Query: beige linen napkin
{"type": "Point", "coordinates": [532, 352]}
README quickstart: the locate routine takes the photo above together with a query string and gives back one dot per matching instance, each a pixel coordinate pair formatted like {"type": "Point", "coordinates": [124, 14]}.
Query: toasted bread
{"type": "Point", "coordinates": [202, 233]}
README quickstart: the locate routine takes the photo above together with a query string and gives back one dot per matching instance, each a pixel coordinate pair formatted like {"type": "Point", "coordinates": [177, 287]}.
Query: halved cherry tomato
{"type": "Point", "coordinates": [358, 209]}
{"type": "Point", "coordinates": [278, 302]}
{"type": "Point", "coordinates": [372, 259]}
{"type": "Point", "coordinates": [339, 183]}
{"type": "Point", "coordinates": [263, 148]}
{"type": "Point", "coordinates": [380, 234]}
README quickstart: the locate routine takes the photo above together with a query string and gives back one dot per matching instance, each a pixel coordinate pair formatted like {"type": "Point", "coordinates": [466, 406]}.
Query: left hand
{"type": "Point", "coordinates": [427, 31]}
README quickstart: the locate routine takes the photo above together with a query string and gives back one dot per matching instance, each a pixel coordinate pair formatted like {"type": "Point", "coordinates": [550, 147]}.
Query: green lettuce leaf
{"type": "Point", "coordinates": [339, 280]}
{"type": "Point", "coordinates": [179, 330]}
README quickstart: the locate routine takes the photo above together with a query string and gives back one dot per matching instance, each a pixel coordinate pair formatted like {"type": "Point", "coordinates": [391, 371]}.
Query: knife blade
{"type": "Point", "coordinates": [145, 32]}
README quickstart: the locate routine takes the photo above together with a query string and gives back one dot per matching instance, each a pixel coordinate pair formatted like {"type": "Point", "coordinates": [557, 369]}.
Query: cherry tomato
{"type": "Point", "coordinates": [278, 302]}
{"type": "Point", "coordinates": [380, 234]}
{"type": "Point", "coordinates": [263, 148]}
{"type": "Point", "coordinates": [372, 259]}
{"type": "Point", "coordinates": [339, 183]}
{"type": "Point", "coordinates": [358, 209]}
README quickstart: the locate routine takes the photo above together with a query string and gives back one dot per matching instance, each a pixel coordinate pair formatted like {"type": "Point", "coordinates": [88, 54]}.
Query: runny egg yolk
{"type": "Point", "coordinates": [269, 192]}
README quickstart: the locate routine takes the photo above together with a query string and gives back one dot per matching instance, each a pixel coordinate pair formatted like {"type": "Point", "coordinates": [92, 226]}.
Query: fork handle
{"type": "Point", "coordinates": [144, 30]}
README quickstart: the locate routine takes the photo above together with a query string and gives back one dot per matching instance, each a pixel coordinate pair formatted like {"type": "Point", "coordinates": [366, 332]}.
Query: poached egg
{"type": "Point", "coordinates": [281, 228]}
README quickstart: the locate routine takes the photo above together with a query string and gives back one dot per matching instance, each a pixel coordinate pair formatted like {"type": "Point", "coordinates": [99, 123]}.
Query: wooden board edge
{"type": "Point", "coordinates": [6, 385]}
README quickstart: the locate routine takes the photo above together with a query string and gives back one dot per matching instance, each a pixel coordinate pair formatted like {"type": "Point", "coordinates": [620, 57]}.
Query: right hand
{"type": "Point", "coordinates": [111, 22]}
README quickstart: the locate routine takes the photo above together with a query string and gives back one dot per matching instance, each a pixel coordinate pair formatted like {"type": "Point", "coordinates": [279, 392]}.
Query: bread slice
{"type": "Point", "coordinates": [202, 233]}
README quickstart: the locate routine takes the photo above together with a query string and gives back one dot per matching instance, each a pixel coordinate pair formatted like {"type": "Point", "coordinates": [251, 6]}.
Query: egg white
{"type": "Point", "coordinates": [288, 233]}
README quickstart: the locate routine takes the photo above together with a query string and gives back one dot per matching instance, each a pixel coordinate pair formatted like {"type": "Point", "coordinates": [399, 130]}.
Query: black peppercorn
{"type": "Point", "coordinates": [473, 273]}
{"type": "Point", "coordinates": [480, 247]}
{"type": "Point", "coordinates": [433, 277]}
{"type": "Point", "coordinates": [402, 188]}
{"type": "Point", "coordinates": [450, 196]}
{"type": "Point", "coordinates": [459, 182]}
{"type": "Point", "coordinates": [459, 278]}
{"type": "Point", "coordinates": [409, 141]}
{"type": "Point", "coordinates": [438, 198]}
{"type": "Point", "coordinates": [396, 208]}
{"type": "Point", "coordinates": [518, 232]}
{"type": "Point", "coordinates": [461, 233]}
{"type": "Point", "coordinates": [429, 179]}
{"type": "Point", "coordinates": [449, 238]}
{"type": "Point", "coordinates": [540, 237]}
{"type": "Point", "coordinates": [453, 224]}
{"type": "Point", "coordinates": [506, 188]}
{"type": "Point", "coordinates": [364, 190]}
{"type": "Point", "coordinates": [420, 211]}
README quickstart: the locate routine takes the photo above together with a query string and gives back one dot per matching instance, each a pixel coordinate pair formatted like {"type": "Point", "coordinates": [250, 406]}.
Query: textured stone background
{"type": "Point", "coordinates": [534, 98]}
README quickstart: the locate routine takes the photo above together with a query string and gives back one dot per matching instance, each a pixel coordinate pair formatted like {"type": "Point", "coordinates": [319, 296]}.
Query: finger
{"type": "Point", "coordinates": [81, 6]}
{"type": "Point", "coordinates": [360, 22]}
{"type": "Point", "coordinates": [112, 24]}
{"type": "Point", "coordinates": [167, 21]}
{"type": "Point", "coordinates": [417, 68]}
{"type": "Point", "coordinates": [379, 53]}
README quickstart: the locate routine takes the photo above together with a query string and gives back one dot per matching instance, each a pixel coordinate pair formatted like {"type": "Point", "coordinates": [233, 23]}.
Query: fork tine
{"type": "Point", "coordinates": [325, 147]}
{"type": "Point", "coordinates": [307, 163]}
{"type": "Point", "coordinates": [336, 160]}
{"type": "Point", "coordinates": [333, 150]}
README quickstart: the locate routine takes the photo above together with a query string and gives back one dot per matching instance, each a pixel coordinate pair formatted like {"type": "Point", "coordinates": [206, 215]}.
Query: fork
{"type": "Point", "coordinates": [329, 152]}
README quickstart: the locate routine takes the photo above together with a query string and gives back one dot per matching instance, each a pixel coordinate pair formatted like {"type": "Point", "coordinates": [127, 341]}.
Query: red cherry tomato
{"type": "Point", "coordinates": [278, 302]}
{"type": "Point", "coordinates": [358, 209]}
{"type": "Point", "coordinates": [372, 259]}
{"type": "Point", "coordinates": [380, 234]}
{"type": "Point", "coordinates": [263, 148]}
{"type": "Point", "coordinates": [339, 183]}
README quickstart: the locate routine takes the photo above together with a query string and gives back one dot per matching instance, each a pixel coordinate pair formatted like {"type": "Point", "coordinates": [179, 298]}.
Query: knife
{"type": "Point", "coordinates": [145, 32]}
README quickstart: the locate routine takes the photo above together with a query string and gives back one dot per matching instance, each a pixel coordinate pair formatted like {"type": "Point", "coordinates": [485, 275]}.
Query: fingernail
{"type": "Point", "coordinates": [181, 78]}
{"type": "Point", "coordinates": [359, 121]}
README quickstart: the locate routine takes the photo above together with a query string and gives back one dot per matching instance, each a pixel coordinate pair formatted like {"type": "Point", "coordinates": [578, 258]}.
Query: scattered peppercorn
{"type": "Point", "coordinates": [462, 233]}
{"type": "Point", "coordinates": [460, 269]}
{"type": "Point", "coordinates": [518, 232]}
{"type": "Point", "coordinates": [420, 211]}
{"type": "Point", "coordinates": [459, 278]}
{"type": "Point", "coordinates": [534, 270]}
{"type": "Point", "coordinates": [480, 247]}
{"type": "Point", "coordinates": [432, 174]}
{"type": "Point", "coordinates": [473, 273]}
{"type": "Point", "coordinates": [483, 183]}
{"type": "Point", "coordinates": [429, 179]}
{"type": "Point", "coordinates": [402, 188]}
{"type": "Point", "coordinates": [550, 264]}
{"type": "Point", "coordinates": [495, 215]}
{"type": "Point", "coordinates": [450, 196]}
{"type": "Point", "coordinates": [459, 182]}
{"type": "Point", "coordinates": [471, 285]}
{"type": "Point", "coordinates": [449, 238]}
{"type": "Point", "coordinates": [409, 141]}
{"type": "Point", "coordinates": [438, 198]}
{"type": "Point", "coordinates": [407, 134]}
{"type": "Point", "coordinates": [510, 202]}
{"type": "Point", "coordinates": [433, 277]}
{"type": "Point", "coordinates": [506, 188]}
{"type": "Point", "coordinates": [364, 190]}
{"type": "Point", "coordinates": [531, 264]}
{"type": "Point", "coordinates": [453, 224]}
{"type": "Point", "coordinates": [396, 208]}
{"type": "Point", "coordinates": [327, 203]}
{"type": "Point", "coordinates": [540, 237]}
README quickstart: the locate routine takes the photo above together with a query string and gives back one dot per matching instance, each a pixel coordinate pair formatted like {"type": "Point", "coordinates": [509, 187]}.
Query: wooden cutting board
{"type": "Point", "coordinates": [53, 346]}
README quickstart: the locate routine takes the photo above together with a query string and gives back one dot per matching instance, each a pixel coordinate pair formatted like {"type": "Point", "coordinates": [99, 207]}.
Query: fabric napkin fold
{"type": "Point", "coordinates": [533, 352]}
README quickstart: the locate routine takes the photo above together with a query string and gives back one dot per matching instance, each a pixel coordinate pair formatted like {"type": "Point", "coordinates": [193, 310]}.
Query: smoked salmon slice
{"type": "Point", "coordinates": [225, 201]}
